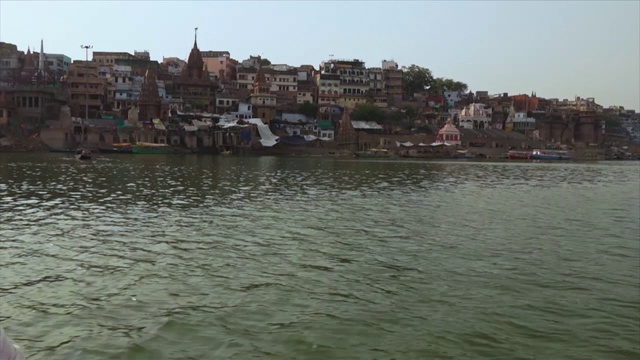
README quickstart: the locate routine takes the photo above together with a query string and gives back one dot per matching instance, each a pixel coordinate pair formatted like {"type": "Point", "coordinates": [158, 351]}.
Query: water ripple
{"type": "Point", "coordinates": [198, 257]}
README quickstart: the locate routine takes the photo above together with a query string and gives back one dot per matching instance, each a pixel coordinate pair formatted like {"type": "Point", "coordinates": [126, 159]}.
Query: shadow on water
{"type": "Point", "coordinates": [160, 257]}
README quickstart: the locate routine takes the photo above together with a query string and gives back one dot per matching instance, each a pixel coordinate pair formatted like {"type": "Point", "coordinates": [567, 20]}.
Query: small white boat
{"type": "Point", "coordinates": [538, 154]}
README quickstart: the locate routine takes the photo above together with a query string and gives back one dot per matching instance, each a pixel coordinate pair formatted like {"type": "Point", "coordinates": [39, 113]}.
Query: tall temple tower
{"type": "Point", "coordinates": [195, 64]}
{"type": "Point", "coordinates": [150, 102]}
{"type": "Point", "coordinates": [261, 98]}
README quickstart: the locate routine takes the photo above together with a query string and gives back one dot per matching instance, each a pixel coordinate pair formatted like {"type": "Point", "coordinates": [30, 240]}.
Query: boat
{"type": "Point", "coordinates": [374, 153]}
{"type": "Point", "coordinates": [226, 152]}
{"type": "Point", "coordinates": [83, 154]}
{"type": "Point", "coordinates": [150, 148]}
{"type": "Point", "coordinates": [477, 143]}
{"type": "Point", "coordinates": [519, 155]}
{"type": "Point", "coordinates": [462, 154]}
{"type": "Point", "coordinates": [538, 154]}
{"type": "Point", "coordinates": [121, 148]}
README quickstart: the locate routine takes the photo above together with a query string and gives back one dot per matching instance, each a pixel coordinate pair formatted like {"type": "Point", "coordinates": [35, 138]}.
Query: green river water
{"type": "Point", "coordinates": [211, 257]}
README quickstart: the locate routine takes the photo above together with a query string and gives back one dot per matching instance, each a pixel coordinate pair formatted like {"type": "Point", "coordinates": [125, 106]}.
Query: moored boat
{"type": "Point", "coordinates": [150, 148]}
{"type": "Point", "coordinates": [539, 154]}
{"type": "Point", "coordinates": [463, 154]}
{"type": "Point", "coordinates": [519, 155]}
{"type": "Point", "coordinates": [374, 153]}
{"type": "Point", "coordinates": [122, 148]}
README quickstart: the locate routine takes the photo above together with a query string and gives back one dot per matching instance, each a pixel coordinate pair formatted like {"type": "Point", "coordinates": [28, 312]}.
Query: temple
{"type": "Point", "coordinates": [194, 85]}
{"type": "Point", "coordinates": [149, 105]}
{"type": "Point", "coordinates": [263, 101]}
{"type": "Point", "coordinates": [449, 134]}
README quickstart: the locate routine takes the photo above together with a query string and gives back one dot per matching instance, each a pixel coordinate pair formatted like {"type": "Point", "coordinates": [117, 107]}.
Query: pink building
{"type": "Point", "coordinates": [220, 64]}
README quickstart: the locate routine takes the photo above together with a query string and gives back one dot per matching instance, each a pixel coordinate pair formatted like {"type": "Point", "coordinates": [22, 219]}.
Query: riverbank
{"type": "Point", "coordinates": [36, 145]}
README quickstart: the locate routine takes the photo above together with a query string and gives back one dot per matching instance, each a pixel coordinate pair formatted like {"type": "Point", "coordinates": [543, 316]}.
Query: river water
{"type": "Point", "coordinates": [210, 257]}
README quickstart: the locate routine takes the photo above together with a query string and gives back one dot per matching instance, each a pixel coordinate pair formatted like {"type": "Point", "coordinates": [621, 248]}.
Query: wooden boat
{"type": "Point", "coordinates": [122, 148]}
{"type": "Point", "coordinates": [83, 154]}
{"type": "Point", "coordinates": [538, 154]}
{"type": "Point", "coordinates": [519, 155]}
{"type": "Point", "coordinates": [462, 154]}
{"type": "Point", "coordinates": [374, 153]}
{"type": "Point", "coordinates": [150, 148]}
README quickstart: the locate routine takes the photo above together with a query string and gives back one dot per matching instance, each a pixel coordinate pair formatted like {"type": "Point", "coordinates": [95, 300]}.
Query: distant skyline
{"type": "Point", "coordinates": [557, 49]}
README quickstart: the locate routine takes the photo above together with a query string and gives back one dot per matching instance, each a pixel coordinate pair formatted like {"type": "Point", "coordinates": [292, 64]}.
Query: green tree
{"type": "Point", "coordinates": [265, 62]}
{"type": "Point", "coordinates": [368, 112]}
{"type": "Point", "coordinates": [308, 109]}
{"type": "Point", "coordinates": [440, 85]}
{"type": "Point", "coordinates": [416, 79]}
{"type": "Point", "coordinates": [411, 113]}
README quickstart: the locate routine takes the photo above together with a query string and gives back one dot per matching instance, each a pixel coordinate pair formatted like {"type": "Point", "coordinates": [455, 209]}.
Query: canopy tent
{"type": "Point", "coordinates": [267, 139]}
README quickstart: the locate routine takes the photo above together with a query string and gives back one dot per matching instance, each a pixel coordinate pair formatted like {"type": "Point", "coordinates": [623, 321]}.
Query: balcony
{"type": "Point", "coordinates": [354, 83]}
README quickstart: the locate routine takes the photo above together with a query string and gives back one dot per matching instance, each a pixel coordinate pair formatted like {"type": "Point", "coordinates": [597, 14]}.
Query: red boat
{"type": "Point", "coordinates": [519, 155]}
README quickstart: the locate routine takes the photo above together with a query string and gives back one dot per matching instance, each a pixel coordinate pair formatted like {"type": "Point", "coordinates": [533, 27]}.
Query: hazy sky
{"type": "Point", "coordinates": [558, 49]}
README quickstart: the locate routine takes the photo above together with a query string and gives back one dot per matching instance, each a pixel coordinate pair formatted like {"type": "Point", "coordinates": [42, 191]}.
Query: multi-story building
{"type": "Point", "coordinates": [122, 81]}
{"type": "Point", "coordinates": [354, 80]}
{"type": "Point", "coordinates": [143, 55]}
{"type": "Point", "coordinates": [221, 65]}
{"type": "Point", "coordinates": [377, 93]}
{"type": "Point", "coordinates": [475, 116]}
{"type": "Point", "coordinates": [173, 65]}
{"type": "Point", "coordinates": [306, 73]}
{"type": "Point", "coordinates": [11, 60]}
{"type": "Point", "coordinates": [524, 102]}
{"type": "Point", "coordinates": [228, 99]}
{"type": "Point", "coordinates": [246, 76]}
{"type": "Point", "coordinates": [57, 65]}
{"type": "Point", "coordinates": [328, 87]}
{"type": "Point", "coordinates": [307, 88]}
{"type": "Point", "coordinates": [306, 93]}
{"type": "Point", "coordinates": [110, 57]}
{"type": "Point", "coordinates": [86, 87]}
{"type": "Point", "coordinates": [252, 61]}
{"type": "Point", "coordinates": [392, 76]}
{"type": "Point", "coordinates": [282, 78]}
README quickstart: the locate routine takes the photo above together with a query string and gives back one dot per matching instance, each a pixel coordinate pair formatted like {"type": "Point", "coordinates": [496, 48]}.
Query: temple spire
{"type": "Point", "coordinates": [195, 38]}
{"type": "Point", "coordinates": [41, 57]}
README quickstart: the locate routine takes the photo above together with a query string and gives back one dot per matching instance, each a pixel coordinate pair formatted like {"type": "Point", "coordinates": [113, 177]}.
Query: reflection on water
{"type": "Point", "coordinates": [203, 257]}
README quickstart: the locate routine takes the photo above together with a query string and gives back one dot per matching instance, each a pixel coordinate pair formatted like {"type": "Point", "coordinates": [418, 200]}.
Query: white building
{"type": "Point", "coordinates": [522, 122]}
{"type": "Point", "coordinates": [244, 112]}
{"type": "Point", "coordinates": [328, 88]}
{"type": "Point", "coordinates": [245, 77]}
{"type": "Point", "coordinates": [304, 95]}
{"type": "Point", "coordinates": [283, 79]}
{"type": "Point", "coordinates": [475, 116]}
{"type": "Point", "coordinates": [389, 65]}
{"type": "Point", "coordinates": [453, 97]}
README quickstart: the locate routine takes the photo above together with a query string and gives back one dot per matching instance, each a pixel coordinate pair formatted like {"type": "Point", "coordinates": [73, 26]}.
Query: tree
{"type": "Point", "coordinates": [368, 112]}
{"type": "Point", "coordinates": [416, 79]}
{"type": "Point", "coordinates": [440, 85]}
{"type": "Point", "coordinates": [308, 109]}
{"type": "Point", "coordinates": [265, 62]}
{"type": "Point", "coordinates": [411, 113]}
